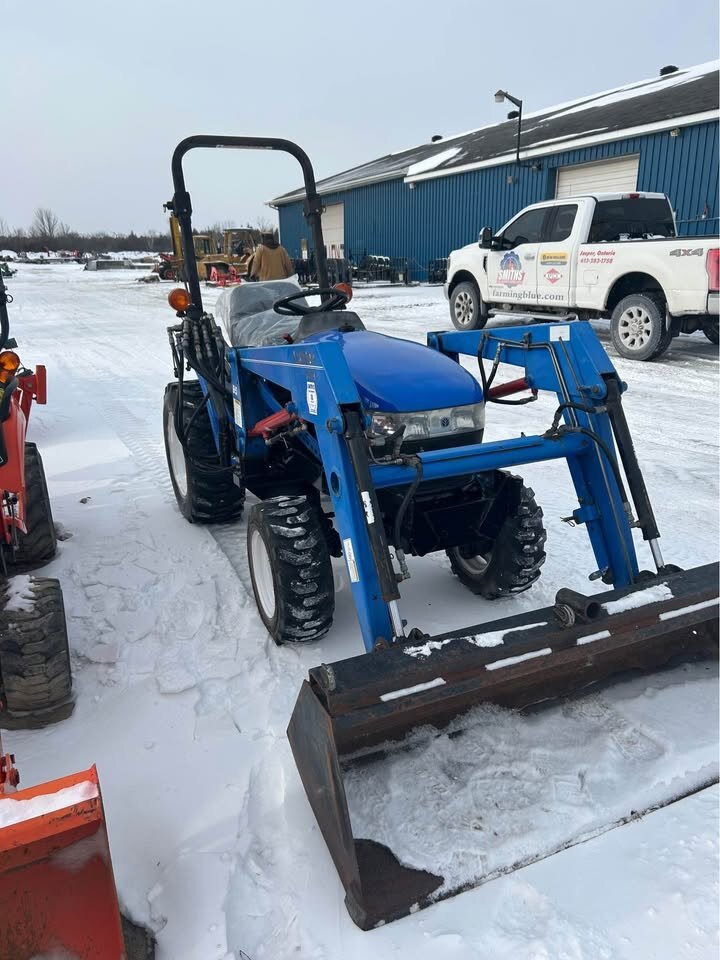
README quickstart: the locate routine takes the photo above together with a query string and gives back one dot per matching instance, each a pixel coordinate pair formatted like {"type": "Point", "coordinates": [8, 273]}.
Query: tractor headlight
{"type": "Point", "coordinates": [429, 424]}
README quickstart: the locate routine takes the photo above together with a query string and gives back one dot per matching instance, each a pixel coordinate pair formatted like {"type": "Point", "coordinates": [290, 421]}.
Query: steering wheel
{"type": "Point", "coordinates": [287, 307]}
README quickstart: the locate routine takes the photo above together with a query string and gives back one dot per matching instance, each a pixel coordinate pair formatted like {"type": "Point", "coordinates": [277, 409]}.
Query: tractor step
{"type": "Point", "coordinates": [348, 712]}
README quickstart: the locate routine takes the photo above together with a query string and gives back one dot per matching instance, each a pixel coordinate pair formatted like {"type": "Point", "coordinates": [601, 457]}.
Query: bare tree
{"type": "Point", "coordinates": [216, 231]}
{"type": "Point", "coordinates": [45, 225]}
{"type": "Point", "coordinates": [263, 225]}
{"type": "Point", "coordinates": [4, 228]}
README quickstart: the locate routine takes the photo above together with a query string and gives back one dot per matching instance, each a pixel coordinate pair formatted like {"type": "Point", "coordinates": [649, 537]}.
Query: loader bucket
{"type": "Point", "coordinates": [57, 889]}
{"type": "Point", "coordinates": [350, 715]}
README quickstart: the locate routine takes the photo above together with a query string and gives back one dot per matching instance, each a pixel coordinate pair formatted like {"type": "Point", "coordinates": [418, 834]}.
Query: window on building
{"type": "Point", "coordinates": [526, 229]}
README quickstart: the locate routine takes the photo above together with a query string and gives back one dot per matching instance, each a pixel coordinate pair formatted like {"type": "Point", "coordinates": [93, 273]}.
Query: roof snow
{"type": "Point", "coordinates": [658, 102]}
{"type": "Point", "coordinates": [429, 163]}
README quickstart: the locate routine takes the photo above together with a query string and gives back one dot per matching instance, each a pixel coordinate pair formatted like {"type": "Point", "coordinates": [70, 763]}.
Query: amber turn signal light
{"type": "Point", "coordinates": [179, 299]}
{"type": "Point", "coordinates": [344, 288]}
{"type": "Point", "coordinates": [9, 360]}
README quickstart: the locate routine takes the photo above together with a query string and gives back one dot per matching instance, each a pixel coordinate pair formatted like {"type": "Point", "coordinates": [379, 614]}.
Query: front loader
{"type": "Point", "coordinates": [371, 448]}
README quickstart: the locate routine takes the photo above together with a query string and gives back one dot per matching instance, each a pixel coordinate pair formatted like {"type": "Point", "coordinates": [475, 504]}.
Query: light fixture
{"type": "Point", "coordinates": [501, 95]}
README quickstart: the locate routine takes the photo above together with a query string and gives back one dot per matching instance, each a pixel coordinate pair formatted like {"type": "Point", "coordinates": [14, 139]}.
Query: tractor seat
{"type": "Point", "coordinates": [247, 317]}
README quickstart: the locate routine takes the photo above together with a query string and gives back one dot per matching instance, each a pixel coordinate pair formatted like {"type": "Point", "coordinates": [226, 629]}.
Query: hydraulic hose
{"type": "Point", "coordinates": [400, 515]}
{"type": "Point", "coordinates": [487, 382]}
{"type": "Point", "coordinates": [5, 298]}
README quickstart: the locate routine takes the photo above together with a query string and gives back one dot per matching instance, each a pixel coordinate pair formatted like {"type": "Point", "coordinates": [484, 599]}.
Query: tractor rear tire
{"type": "Point", "coordinates": [35, 675]}
{"type": "Point", "coordinates": [289, 558]}
{"type": "Point", "coordinates": [712, 332]}
{"type": "Point", "coordinates": [205, 491]}
{"type": "Point", "coordinates": [39, 545]}
{"type": "Point", "coordinates": [514, 561]}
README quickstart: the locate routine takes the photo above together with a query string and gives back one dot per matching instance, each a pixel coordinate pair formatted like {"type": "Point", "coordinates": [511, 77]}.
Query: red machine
{"type": "Point", "coordinates": [35, 678]}
{"type": "Point", "coordinates": [57, 890]}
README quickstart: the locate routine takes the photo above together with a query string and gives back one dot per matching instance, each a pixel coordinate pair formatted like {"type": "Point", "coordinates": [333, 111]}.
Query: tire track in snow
{"type": "Point", "coordinates": [148, 448]}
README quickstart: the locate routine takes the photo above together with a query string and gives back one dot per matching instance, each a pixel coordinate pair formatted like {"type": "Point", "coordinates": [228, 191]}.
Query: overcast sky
{"type": "Point", "coordinates": [95, 94]}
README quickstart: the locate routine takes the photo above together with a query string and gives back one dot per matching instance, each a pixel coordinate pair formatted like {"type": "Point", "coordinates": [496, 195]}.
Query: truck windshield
{"type": "Point", "coordinates": [631, 219]}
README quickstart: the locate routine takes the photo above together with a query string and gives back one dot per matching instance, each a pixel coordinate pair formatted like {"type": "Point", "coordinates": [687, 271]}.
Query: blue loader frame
{"type": "Point", "coordinates": [566, 359]}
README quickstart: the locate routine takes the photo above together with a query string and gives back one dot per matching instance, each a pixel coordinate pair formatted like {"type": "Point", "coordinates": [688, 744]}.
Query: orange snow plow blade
{"type": "Point", "coordinates": [57, 888]}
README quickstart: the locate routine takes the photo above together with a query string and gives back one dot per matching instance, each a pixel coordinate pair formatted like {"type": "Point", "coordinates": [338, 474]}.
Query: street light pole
{"type": "Point", "coordinates": [501, 95]}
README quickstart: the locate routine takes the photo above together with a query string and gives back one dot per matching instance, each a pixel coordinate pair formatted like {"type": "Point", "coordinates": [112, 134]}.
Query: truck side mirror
{"type": "Point", "coordinates": [485, 238]}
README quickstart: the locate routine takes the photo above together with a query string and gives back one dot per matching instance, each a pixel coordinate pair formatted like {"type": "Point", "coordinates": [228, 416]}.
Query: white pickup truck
{"type": "Point", "coordinates": [609, 255]}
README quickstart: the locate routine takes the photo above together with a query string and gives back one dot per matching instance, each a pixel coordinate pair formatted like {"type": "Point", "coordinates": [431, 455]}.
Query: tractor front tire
{"type": "Point", "coordinates": [39, 545]}
{"type": "Point", "coordinates": [35, 676]}
{"type": "Point", "coordinates": [290, 567]}
{"type": "Point", "coordinates": [513, 563]}
{"type": "Point", "coordinates": [205, 491]}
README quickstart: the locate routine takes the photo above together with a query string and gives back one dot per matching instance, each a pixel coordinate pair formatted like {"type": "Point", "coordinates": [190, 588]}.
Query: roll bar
{"type": "Point", "coordinates": [182, 207]}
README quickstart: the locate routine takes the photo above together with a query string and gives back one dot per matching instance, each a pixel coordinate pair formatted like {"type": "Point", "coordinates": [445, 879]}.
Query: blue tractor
{"type": "Point", "coordinates": [371, 447]}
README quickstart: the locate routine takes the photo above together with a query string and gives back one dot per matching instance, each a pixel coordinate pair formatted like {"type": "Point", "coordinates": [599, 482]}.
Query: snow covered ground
{"type": "Point", "coordinates": [182, 700]}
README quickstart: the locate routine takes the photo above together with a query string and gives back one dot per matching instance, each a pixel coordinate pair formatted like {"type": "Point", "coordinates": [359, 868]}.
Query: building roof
{"type": "Point", "coordinates": [687, 95]}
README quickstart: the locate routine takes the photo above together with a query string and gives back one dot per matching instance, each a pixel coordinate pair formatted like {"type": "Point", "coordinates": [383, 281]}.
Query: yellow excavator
{"type": "Point", "coordinates": [238, 248]}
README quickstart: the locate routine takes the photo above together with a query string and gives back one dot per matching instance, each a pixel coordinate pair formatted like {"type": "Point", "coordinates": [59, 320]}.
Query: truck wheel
{"type": "Point", "coordinates": [711, 331]}
{"type": "Point", "coordinates": [39, 545]}
{"type": "Point", "coordinates": [35, 676]}
{"type": "Point", "coordinates": [513, 562]}
{"type": "Point", "coordinates": [290, 568]}
{"type": "Point", "coordinates": [637, 327]}
{"type": "Point", "coordinates": [466, 307]}
{"type": "Point", "coordinates": [204, 490]}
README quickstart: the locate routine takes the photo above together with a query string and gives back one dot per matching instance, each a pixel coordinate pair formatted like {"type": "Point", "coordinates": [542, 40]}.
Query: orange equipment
{"type": "Point", "coordinates": [57, 888]}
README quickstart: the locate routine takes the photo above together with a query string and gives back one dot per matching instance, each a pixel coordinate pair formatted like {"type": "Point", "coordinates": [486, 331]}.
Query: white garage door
{"type": "Point", "coordinates": [333, 226]}
{"type": "Point", "coordinates": [608, 176]}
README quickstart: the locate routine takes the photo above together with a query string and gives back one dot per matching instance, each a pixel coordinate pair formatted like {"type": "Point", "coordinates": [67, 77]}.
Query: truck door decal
{"type": "Point", "coordinates": [511, 273]}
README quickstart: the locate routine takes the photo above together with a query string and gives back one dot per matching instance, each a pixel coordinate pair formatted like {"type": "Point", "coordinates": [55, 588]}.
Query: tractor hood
{"type": "Point", "coordinates": [400, 376]}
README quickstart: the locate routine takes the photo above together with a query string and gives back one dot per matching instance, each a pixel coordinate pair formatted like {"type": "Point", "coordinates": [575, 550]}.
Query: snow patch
{"type": "Point", "coordinates": [492, 638]}
{"type": "Point", "coordinates": [430, 163]}
{"type": "Point", "coordinates": [418, 688]}
{"type": "Point", "coordinates": [497, 788]}
{"type": "Point", "coordinates": [592, 637]}
{"type": "Point", "coordinates": [495, 637]}
{"type": "Point", "coordinates": [703, 605]}
{"type": "Point", "coordinates": [640, 598]}
{"type": "Point", "coordinates": [509, 661]}
{"type": "Point", "coordinates": [16, 811]}
{"type": "Point", "coordinates": [20, 594]}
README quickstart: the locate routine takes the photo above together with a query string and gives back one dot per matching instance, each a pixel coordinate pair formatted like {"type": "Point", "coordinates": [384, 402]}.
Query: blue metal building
{"type": "Point", "coordinates": [657, 135]}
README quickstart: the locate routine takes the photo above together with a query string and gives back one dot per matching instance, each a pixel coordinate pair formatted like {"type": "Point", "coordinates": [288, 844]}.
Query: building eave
{"type": "Point", "coordinates": [570, 144]}
{"type": "Point", "coordinates": [284, 200]}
